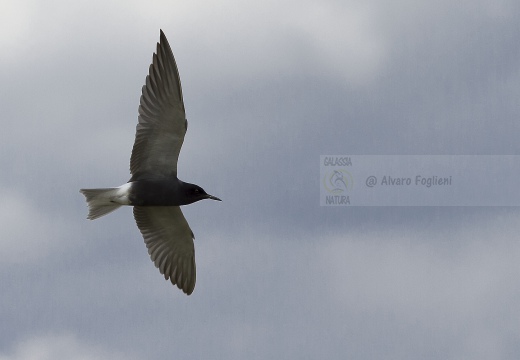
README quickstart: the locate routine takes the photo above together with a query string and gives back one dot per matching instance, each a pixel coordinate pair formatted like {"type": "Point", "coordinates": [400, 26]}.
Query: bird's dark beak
{"type": "Point", "coordinates": [212, 197]}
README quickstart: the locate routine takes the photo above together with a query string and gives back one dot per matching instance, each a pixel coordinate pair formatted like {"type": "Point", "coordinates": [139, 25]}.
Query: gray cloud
{"type": "Point", "coordinates": [268, 87]}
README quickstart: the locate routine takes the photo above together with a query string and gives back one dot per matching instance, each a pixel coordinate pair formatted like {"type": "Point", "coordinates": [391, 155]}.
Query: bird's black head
{"type": "Point", "coordinates": [193, 193]}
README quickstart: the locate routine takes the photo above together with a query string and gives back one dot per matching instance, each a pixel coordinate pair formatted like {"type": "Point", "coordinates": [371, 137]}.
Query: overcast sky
{"type": "Point", "coordinates": [269, 86]}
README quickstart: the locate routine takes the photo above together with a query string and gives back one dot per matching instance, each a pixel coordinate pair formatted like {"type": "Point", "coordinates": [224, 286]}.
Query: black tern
{"type": "Point", "coordinates": [154, 190]}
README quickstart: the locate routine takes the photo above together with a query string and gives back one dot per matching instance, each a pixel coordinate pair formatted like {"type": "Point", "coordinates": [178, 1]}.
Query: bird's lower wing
{"type": "Point", "coordinates": [169, 240]}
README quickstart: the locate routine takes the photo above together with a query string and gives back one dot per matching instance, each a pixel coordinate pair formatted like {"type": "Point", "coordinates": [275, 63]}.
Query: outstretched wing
{"type": "Point", "coordinates": [169, 240]}
{"type": "Point", "coordinates": [162, 119]}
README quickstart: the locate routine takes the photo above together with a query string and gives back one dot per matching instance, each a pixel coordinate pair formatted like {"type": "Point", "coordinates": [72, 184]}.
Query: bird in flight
{"type": "Point", "coordinates": [154, 189]}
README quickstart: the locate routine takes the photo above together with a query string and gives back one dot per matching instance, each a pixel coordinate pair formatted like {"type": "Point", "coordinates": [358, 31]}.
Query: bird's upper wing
{"type": "Point", "coordinates": [169, 240]}
{"type": "Point", "coordinates": [162, 119]}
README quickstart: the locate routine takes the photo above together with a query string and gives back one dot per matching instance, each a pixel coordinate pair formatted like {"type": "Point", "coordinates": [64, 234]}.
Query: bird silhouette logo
{"type": "Point", "coordinates": [338, 181]}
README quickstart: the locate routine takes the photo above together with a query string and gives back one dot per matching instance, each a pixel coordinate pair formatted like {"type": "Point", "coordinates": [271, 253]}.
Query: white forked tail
{"type": "Point", "coordinates": [103, 201]}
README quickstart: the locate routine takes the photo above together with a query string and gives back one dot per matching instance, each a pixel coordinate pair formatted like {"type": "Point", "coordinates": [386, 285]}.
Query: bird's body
{"type": "Point", "coordinates": [154, 189]}
{"type": "Point", "coordinates": [164, 192]}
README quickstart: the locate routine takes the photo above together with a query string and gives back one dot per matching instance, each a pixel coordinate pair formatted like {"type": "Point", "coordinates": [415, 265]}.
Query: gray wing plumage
{"type": "Point", "coordinates": [169, 240]}
{"type": "Point", "coordinates": [162, 119]}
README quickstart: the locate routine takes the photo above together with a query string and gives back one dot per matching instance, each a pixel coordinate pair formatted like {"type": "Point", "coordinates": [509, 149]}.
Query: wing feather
{"type": "Point", "coordinates": [162, 119]}
{"type": "Point", "coordinates": [169, 240]}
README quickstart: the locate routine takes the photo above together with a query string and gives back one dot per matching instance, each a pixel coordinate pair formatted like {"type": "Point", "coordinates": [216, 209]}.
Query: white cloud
{"type": "Point", "coordinates": [342, 39]}
{"type": "Point", "coordinates": [242, 41]}
{"type": "Point", "coordinates": [27, 232]}
{"type": "Point", "coordinates": [60, 347]}
{"type": "Point", "coordinates": [15, 25]}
